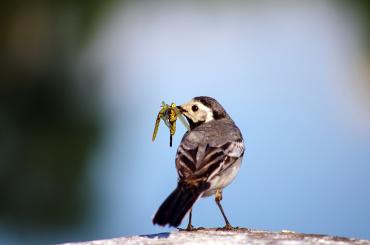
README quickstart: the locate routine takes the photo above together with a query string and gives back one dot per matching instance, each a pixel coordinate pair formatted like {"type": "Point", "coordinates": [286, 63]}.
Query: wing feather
{"type": "Point", "coordinates": [207, 161]}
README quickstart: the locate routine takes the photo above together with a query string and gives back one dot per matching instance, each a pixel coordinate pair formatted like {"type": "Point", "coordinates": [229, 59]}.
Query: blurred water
{"type": "Point", "coordinates": [287, 74]}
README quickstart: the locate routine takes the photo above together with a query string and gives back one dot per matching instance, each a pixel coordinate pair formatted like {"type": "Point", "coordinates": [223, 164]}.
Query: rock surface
{"type": "Point", "coordinates": [238, 236]}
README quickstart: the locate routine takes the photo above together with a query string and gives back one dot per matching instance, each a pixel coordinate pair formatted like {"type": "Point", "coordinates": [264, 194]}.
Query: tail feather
{"type": "Point", "coordinates": [178, 203]}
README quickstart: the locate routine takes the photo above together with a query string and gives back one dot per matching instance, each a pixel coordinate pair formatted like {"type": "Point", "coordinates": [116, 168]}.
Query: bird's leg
{"type": "Point", "coordinates": [218, 198]}
{"type": "Point", "coordinates": [190, 227]}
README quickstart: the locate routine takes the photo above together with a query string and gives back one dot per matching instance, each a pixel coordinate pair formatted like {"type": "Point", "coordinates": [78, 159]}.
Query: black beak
{"type": "Point", "coordinates": [181, 109]}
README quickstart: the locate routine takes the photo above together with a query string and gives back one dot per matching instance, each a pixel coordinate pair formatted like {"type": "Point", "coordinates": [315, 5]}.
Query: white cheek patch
{"type": "Point", "coordinates": [190, 115]}
{"type": "Point", "coordinates": [202, 114]}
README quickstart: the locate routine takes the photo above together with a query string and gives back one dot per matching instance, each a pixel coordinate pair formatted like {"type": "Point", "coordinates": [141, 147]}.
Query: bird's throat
{"type": "Point", "coordinates": [193, 124]}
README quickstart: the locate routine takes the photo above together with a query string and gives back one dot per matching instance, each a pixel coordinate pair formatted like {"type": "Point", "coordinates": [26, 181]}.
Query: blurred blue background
{"type": "Point", "coordinates": [82, 83]}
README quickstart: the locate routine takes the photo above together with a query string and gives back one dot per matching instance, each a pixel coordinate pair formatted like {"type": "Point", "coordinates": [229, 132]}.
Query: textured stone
{"type": "Point", "coordinates": [238, 236]}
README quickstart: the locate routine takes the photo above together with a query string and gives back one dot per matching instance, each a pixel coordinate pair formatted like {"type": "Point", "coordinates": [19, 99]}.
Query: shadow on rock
{"type": "Point", "coordinates": [158, 235]}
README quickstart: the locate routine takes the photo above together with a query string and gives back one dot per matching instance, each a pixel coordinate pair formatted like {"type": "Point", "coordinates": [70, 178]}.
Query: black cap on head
{"type": "Point", "coordinates": [218, 111]}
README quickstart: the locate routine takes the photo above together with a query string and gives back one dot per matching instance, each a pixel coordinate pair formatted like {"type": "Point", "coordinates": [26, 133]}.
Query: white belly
{"type": "Point", "coordinates": [223, 180]}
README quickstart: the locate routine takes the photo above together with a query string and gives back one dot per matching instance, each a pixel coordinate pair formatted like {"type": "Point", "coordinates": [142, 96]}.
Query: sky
{"type": "Point", "coordinates": [291, 77]}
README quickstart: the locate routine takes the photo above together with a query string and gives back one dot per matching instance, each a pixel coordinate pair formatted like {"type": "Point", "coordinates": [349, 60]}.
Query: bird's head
{"type": "Point", "coordinates": [201, 110]}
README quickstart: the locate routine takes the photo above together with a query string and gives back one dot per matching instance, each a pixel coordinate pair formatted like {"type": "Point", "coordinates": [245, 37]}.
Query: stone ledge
{"type": "Point", "coordinates": [239, 236]}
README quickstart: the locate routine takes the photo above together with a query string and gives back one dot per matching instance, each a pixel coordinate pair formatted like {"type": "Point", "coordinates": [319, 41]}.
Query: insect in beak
{"type": "Point", "coordinates": [169, 114]}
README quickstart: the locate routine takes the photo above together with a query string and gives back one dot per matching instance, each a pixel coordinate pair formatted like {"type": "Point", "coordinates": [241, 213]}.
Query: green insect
{"type": "Point", "coordinates": [169, 114]}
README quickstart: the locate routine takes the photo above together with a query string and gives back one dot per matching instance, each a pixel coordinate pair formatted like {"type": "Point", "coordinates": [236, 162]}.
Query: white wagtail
{"type": "Point", "coordinates": [208, 159]}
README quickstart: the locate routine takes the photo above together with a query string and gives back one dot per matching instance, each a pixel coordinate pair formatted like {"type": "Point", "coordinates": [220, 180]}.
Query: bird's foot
{"type": "Point", "coordinates": [191, 228]}
{"type": "Point", "coordinates": [228, 227]}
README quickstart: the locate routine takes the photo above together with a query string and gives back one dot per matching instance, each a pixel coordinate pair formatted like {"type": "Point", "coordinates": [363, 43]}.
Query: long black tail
{"type": "Point", "coordinates": [175, 207]}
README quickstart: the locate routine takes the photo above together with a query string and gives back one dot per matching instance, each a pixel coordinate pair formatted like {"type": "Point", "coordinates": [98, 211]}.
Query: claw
{"type": "Point", "coordinates": [191, 228]}
{"type": "Point", "coordinates": [228, 227]}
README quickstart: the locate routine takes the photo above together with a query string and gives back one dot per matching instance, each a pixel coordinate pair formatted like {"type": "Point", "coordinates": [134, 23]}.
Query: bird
{"type": "Point", "coordinates": [207, 160]}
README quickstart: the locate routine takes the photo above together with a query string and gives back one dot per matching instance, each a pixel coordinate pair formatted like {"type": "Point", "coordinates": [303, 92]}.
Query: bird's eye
{"type": "Point", "coordinates": [194, 108]}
